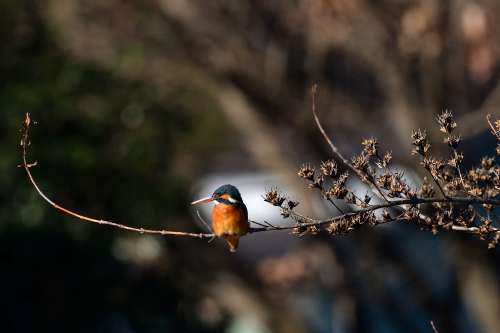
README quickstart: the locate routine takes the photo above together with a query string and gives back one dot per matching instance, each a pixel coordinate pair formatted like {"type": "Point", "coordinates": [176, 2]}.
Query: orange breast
{"type": "Point", "coordinates": [229, 220]}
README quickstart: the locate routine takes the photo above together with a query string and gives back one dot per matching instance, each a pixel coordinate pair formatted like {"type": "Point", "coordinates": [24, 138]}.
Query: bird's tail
{"type": "Point", "coordinates": [232, 241]}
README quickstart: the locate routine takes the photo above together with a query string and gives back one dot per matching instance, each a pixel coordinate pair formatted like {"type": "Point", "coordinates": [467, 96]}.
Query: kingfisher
{"type": "Point", "coordinates": [229, 215]}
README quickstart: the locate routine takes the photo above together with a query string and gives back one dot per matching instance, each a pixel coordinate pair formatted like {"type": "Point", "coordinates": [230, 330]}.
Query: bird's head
{"type": "Point", "coordinates": [227, 194]}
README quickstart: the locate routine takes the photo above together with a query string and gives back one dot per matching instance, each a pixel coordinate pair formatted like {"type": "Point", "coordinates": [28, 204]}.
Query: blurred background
{"type": "Point", "coordinates": [142, 106]}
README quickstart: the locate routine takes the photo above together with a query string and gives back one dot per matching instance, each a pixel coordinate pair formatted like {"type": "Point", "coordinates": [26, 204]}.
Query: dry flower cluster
{"type": "Point", "coordinates": [450, 198]}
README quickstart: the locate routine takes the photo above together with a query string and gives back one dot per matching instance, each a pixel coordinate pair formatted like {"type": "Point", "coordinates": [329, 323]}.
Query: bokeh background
{"type": "Point", "coordinates": [144, 105]}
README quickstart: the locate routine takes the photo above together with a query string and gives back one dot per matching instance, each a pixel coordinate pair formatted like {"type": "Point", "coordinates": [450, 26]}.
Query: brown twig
{"type": "Point", "coordinates": [25, 143]}
{"type": "Point", "coordinates": [363, 176]}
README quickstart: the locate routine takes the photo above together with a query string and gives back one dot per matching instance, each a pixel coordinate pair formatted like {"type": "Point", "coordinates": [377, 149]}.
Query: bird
{"type": "Point", "coordinates": [229, 214]}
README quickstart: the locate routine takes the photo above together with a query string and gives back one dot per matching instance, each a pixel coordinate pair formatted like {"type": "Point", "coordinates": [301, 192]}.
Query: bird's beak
{"type": "Point", "coordinates": [203, 200]}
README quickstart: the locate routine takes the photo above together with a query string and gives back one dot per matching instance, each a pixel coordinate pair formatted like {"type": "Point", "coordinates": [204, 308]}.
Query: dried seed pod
{"type": "Point", "coordinates": [420, 142]}
{"type": "Point", "coordinates": [343, 178]}
{"type": "Point", "coordinates": [274, 197]}
{"type": "Point", "coordinates": [339, 227]}
{"type": "Point", "coordinates": [337, 191]}
{"type": "Point", "coordinates": [426, 190]}
{"type": "Point", "coordinates": [313, 230]}
{"type": "Point", "coordinates": [360, 162]}
{"type": "Point", "coordinates": [384, 180]}
{"type": "Point", "coordinates": [386, 160]}
{"type": "Point", "coordinates": [411, 214]}
{"type": "Point", "coordinates": [329, 168]}
{"type": "Point", "coordinates": [299, 230]}
{"type": "Point", "coordinates": [306, 172]}
{"type": "Point", "coordinates": [370, 147]}
{"type": "Point", "coordinates": [292, 204]}
{"type": "Point", "coordinates": [455, 160]}
{"type": "Point", "coordinates": [475, 191]}
{"type": "Point", "coordinates": [494, 242]}
{"type": "Point", "coordinates": [453, 141]}
{"type": "Point", "coordinates": [284, 213]}
{"type": "Point", "coordinates": [487, 162]}
{"type": "Point", "coordinates": [397, 186]}
{"type": "Point", "coordinates": [445, 120]}
{"type": "Point", "coordinates": [318, 182]}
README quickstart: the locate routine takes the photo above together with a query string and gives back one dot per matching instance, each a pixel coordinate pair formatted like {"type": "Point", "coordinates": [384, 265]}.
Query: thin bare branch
{"type": "Point", "coordinates": [363, 176]}
{"type": "Point", "coordinates": [25, 143]}
{"type": "Point", "coordinates": [209, 228]}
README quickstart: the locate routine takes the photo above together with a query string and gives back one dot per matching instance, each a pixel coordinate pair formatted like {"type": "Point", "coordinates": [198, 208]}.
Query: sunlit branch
{"type": "Point", "coordinates": [25, 143]}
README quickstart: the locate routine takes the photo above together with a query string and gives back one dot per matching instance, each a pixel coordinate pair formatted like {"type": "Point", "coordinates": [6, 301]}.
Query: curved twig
{"type": "Point", "coordinates": [25, 143]}
{"type": "Point", "coordinates": [364, 177]}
